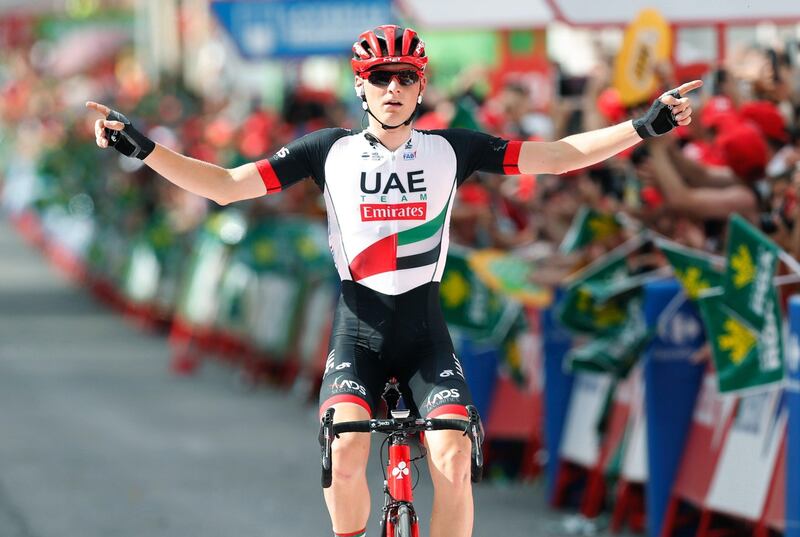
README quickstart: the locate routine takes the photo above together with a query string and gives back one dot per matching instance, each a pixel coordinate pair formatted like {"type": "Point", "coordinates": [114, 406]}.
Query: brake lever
{"type": "Point", "coordinates": [326, 429]}
{"type": "Point", "coordinates": [474, 426]}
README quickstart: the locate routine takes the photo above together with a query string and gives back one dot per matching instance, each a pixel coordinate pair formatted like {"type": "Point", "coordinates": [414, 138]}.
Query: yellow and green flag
{"type": "Point", "coordinates": [615, 353]}
{"type": "Point", "coordinates": [744, 356]}
{"type": "Point", "coordinates": [695, 270]}
{"type": "Point", "coordinates": [751, 262]}
{"type": "Point", "coordinates": [588, 226]}
{"type": "Point", "coordinates": [582, 309]}
{"type": "Point", "coordinates": [622, 288]}
{"type": "Point", "coordinates": [469, 305]}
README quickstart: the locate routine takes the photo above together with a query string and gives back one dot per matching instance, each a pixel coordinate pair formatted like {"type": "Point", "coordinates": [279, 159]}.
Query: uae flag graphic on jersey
{"type": "Point", "coordinates": [415, 247]}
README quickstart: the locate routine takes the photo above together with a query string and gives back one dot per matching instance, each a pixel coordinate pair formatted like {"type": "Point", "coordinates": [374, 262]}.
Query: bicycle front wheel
{"type": "Point", "coordinates": [403, 526]}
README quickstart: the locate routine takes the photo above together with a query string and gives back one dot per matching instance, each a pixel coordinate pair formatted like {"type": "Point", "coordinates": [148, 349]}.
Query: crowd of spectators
{"type": "Point", "coordinates": [740, 154]}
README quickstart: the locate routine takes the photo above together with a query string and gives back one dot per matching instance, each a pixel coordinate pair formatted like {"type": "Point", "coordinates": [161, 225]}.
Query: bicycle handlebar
{"type": "Point", "coordinates": [329, 430]}
{"type": "Point", "coordinates": [389, 426]}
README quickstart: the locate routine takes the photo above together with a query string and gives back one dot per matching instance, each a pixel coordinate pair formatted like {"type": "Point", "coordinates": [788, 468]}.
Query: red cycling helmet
{"type": "Point", "coordinates": [388, 44]}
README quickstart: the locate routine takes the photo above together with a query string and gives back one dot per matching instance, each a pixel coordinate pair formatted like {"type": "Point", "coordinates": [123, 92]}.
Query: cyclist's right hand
{"type": "Point", "coordinates": [115, 130]}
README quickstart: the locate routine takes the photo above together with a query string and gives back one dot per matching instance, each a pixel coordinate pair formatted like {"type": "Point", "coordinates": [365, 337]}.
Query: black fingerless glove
{"type": "Point", "coordinates": [658, 120]}
{"type": "Point", "coordinates": [128, 141]}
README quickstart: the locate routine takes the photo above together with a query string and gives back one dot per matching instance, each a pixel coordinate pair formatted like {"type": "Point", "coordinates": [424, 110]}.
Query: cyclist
{"type": "Point", "coordinates": [388, 191]}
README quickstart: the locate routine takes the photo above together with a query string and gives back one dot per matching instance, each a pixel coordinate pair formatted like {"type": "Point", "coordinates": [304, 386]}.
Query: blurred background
{"type": "Point", "coordinates": [630, 344]}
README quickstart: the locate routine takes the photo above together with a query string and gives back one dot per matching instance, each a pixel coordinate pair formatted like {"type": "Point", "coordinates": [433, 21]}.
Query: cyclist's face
{"type": "Point", "coordinates": [392, 97]}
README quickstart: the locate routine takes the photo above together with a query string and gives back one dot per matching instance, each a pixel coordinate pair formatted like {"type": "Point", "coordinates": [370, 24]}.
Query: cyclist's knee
{"type": "Point", "coordinates": [449, 453]}
{"type": "Point", "coordinates": [350, 451]}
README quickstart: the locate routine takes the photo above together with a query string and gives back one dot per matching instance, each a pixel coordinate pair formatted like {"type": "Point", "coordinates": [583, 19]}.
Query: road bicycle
{"type": "Point", "coordinates": [400, 427]}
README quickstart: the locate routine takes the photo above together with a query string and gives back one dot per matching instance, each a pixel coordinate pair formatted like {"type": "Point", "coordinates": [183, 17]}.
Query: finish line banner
{"type": "Point", "coordinates": [295, 28]}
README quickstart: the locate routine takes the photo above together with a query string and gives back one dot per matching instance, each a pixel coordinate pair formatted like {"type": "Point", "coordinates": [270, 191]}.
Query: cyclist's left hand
{"type": "Point", "coordinates": [681, 107]}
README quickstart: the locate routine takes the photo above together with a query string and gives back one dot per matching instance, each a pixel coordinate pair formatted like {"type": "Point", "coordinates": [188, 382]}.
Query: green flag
{"type": "Point", "coordinates": [465, 116]}
{"type": "Point", "coordinates": [615, 353]}
{"type": "Point", "coordinates": [695, 270]}
{"type": "Point", "coordinates": [470, 305]}
{"type": "Point", "coordinates": [587, 227]}
{"type": "Point", "coordinates": [622, 288]}
{"type": "Point", "coordinates": [744, 356]}
{"type": "Point", "coordinates": [581, 309]}
{"type": "Point", "coordinates": [751, 262]}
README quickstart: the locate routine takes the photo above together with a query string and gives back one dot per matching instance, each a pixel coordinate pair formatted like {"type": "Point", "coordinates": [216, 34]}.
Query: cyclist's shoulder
{"type": "Point", "coordinates": [328, 134]}
{"type": "Point", "coordinates": [319, 142]}
{"type": "Point", "coordinates": [462, 139]}
{"type": "Point", "coordinates": [457, 133]}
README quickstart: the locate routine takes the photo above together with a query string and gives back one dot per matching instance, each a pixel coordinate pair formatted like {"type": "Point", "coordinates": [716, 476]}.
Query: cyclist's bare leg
{"type": "Point", "coordinates": [348, 496]}
{"type": "Point", "coordinates": [449, 462]}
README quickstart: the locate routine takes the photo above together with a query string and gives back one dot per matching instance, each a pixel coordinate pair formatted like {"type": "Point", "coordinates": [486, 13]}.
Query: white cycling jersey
{"type": "Point", "coordinates": [388, 211]}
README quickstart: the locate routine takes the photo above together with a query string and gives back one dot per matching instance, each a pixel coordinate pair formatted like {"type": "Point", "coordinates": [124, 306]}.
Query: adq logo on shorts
{"type": "Point", "coordinates": [441, 397]}
{"type": "Point", "coordinates": [347, 385]}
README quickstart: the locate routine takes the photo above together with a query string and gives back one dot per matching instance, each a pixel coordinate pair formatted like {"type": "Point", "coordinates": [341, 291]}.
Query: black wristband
{"type": "Point", "coordinates": [129, 141]}
{"type": "Point", "coordinates": [658, 120]}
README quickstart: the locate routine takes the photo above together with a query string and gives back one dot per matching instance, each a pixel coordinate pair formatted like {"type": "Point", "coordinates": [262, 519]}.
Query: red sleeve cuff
{"type": "Point", "coordinates": [268, 176]}
{"type": "Point", "coordinates": [511, 158]}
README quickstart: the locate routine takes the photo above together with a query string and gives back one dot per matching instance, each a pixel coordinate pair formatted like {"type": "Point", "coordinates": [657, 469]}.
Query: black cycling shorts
{"type": "Point", "coordinates": [377, 336]}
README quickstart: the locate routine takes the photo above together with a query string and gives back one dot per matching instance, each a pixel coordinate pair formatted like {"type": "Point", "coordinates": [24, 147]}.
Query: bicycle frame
{"type": "Point", "coordinates": [398, 472]}
{"type": "Point", "coordinates": [399, 427]}
{"type": "Point", "coordinates": [398, 488]}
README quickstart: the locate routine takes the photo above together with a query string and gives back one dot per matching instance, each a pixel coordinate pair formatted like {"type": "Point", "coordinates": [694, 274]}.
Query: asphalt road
{"type": "Point", "coordinates": [98, 439]}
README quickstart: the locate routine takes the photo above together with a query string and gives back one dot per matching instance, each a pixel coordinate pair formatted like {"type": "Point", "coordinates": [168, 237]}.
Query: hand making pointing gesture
{"type": "Point", "coordinates": [670, 110]}
{"type": "Point", "coordinates": [115, 130]}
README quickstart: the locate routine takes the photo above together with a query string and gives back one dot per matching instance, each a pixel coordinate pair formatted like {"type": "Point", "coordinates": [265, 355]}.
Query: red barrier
{"type": "Point", "coordinates": [516, 414]}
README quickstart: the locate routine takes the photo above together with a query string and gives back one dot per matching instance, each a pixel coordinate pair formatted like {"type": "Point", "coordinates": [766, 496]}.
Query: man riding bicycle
{"type": "Point", "coordinates": [389, 190]}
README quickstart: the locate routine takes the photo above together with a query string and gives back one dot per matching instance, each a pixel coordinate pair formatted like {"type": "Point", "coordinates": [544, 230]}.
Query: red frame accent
{"type": "Point", "coordinates": [400, 489]}
{"type": "Point", "coordinates": [400, 485]}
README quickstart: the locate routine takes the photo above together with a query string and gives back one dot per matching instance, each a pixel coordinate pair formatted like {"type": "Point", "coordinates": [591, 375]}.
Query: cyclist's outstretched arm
{"type": "Point", "coordinates": [202, 178]}
{"type": "Point", "coordinates": [581, 150]}
{"type": "Point", "coordinates": [205, 179]}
